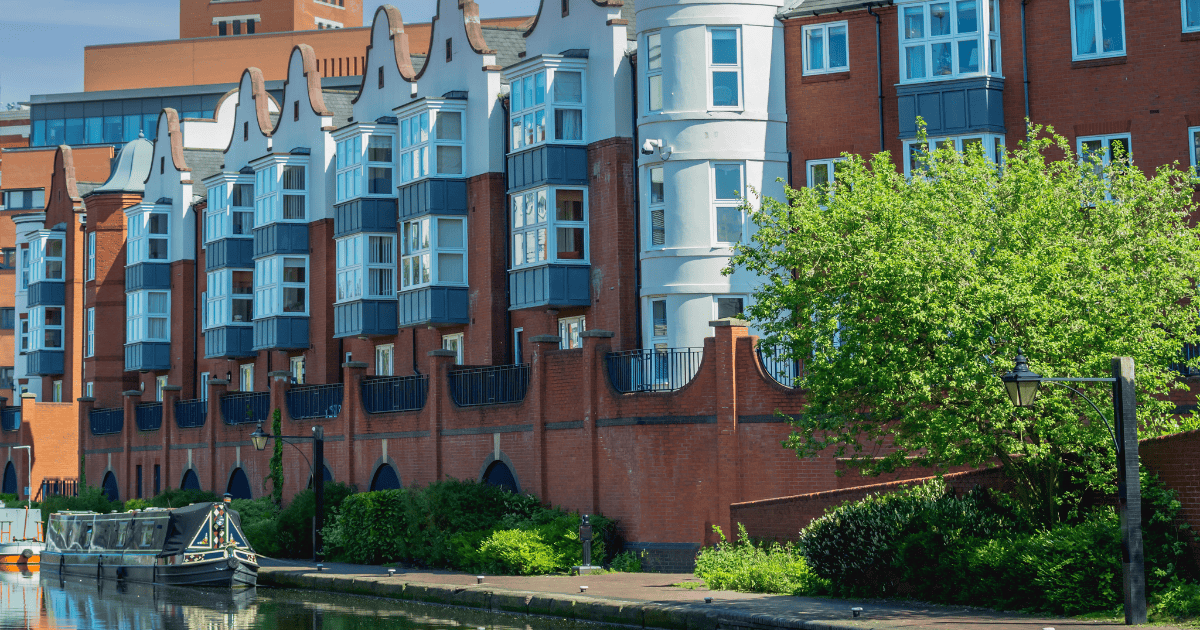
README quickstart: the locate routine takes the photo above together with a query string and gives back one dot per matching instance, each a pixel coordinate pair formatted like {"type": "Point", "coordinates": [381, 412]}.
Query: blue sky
{"type": "Point", "coordinates": [41, 41]}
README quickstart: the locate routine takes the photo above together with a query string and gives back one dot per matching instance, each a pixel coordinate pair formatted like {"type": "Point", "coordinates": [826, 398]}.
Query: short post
{"type": "Point", "coordinates": [1129, 490]}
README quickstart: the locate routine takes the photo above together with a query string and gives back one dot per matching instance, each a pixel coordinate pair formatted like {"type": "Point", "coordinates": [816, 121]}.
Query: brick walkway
{"type": "Point", "coordinates": [648, 600]}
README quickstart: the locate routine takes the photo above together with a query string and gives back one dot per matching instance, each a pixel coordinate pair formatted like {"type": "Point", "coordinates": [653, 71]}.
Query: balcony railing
{"type": "Point", "coordinates": [148, 416]}
{"type": "Point", "coordinates": [656, 370]}
{"type": "Point", "coordinates": [107, 421]}
{"type": "Point", "coordinates": [191, 414]}
{"type": "Point", "coordinates": [492, 385]}
{"type": "Point", "coordinates": [246, 407]}
{"type": "Point", "coordinates": [315, 401]}
{"type": "Point", "coordinates": [10, 418]}
{"type": "Point", "coordinates": [782, 370]}
{"type": "Point", "coordinates": [395, 393]}
{"type": "Point", "coordinates": [58, 487]}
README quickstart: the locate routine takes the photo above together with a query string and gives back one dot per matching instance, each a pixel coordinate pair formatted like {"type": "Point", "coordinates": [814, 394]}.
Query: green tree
{"type": "Point", "coordinates": [907, 297]}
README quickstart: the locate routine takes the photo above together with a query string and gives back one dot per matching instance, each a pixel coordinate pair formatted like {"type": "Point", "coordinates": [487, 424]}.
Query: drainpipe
{"type": "Point", "coordinates": [1025, 58]}
{"type": "Point", "coordinates": [637, 206]}
{"type": "Point", "coordinates": [879, 72]}
{"type": "Point", "coordinates": [197, 312]}
{"type": "Point", "coordinates": [508, 329]}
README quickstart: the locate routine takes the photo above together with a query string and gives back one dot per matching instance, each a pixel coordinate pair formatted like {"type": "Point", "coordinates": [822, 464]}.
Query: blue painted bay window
{"type": "Point", "coordinates": [366, 285]}
{"type": "Point", "coordinates": [229, 314]}
{"type": "Point", "coordinates": [148, 330]}
{"type": "Point", "coordinates": [550, 248]}
{"type": "Point", "coordinates": [45, 341]}
{"type": "Point", "coordinates": [46, 268]}
{"type": "Point", "coordinates": [229, 221]}
{"type": "Point", "coordinates": [281, 302]}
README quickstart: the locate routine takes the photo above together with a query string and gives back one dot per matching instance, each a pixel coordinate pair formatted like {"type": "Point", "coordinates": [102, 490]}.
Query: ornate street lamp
{"type": "Point", "coordinates": [1022, 386]}
{"type": "Point", "coordinates": [260, 438]}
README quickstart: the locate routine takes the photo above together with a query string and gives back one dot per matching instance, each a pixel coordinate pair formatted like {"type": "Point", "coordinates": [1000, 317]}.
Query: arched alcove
{"type": "Point", "coordinates": [111, 491]}
{"type": "Point", "coordinates": [10, 479]}
{"type": "Point", "coordinates": [385, 478]}
{"type": "Point", "coordinates": [328, 477]}
{"type": "Point", "coordinates": [239, 485]}
{"type": "Point", "coordinates": [190, 481]}
{"type": "Point", "coordinates": [499, 474]}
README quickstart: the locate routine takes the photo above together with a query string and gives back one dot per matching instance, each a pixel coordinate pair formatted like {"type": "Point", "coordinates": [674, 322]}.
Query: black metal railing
{"type": "Point", "coordinates": [1190, 351]}
{"type": "Point", "coordinates": [315, 401]}
{"type": "Point", "coordinates": [10, 418]}
{"type": "Point", "coordinates": [191, 414]}
{"type": "Point", "coordinates": [107, 421]}
{"type": "Point", "coordinates": [784, 371]}
{"type": "Point", "coordinates": [654, 370]}
{"type": "Point", "coordinates": [394, 393]}
{"type": "Point", "coordinates": [148, 416]}
{"type": "Point", "coordinates": [491, 385]}
{"type": "Point", "coordinates": [246, 407]}
{"type": "Point", "coordinates": [57, 487]}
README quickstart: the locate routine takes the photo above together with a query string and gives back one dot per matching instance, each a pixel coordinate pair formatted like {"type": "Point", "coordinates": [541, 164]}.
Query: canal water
{"type": "Point", "coordinates": [26, 601]}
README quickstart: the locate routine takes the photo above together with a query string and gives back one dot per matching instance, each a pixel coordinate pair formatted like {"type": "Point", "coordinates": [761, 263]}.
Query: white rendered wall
{"type": "Point", "coordinates": [165, 181]}
{"type": "Point", "coordinates": [247, 141]}
{"type": "Point", "coordinates": [686, 270]}
{"type": "Point", "coordinates": [307, 132]}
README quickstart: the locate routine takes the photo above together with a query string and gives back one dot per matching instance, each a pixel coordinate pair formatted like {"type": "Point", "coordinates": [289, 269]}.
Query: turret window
{"type": "Point", "coordinates": [725, 68]}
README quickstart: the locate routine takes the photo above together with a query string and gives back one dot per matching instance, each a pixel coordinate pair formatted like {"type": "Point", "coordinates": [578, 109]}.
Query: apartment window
{"type": "Point", "coordinates": [725, 68]}
{"type": "Point", "coordinates": [249, 27]}
{"type": "Point", "coordinates": [221, 29]}
{"type": "Point", "coordinates": [24, 335]}
{"type": "Point", "coordinates": [229, 299]}
{"type": "Point", "coordinates": [237, 27]}
{"type": "Point", "coordinates": [533, 108]}
{"type": "Point", "coordinates": [246, 377]}
{"type": "Point", "coordinates": [823, 173]}
{"type": "Point", "coordinates": [568, 332]}
{"type": "Point", "coordinates": [379, 164]}
{"type": "Point", "coordinates": [293, 192]}
{"type": "Point", "coordinates": [6, 377]}
{"type": "Point", "coordinates": [296, 369]}
{"type": "Point", "coordinates": [159, 383]}
{"type": "Point", "coordinates": [1194, 143]}
{"type": "Point", "coordinates": [366, 267]}
{"type": "Point", "coordinates": [1102, 150]}
{"type": "Point", "coordinates": [230, 212]}
{"type": "Point", "coordinates": [89, 389]}
{"type": "Point", "coordinates": [658, 313]}
{"type": "Point", "coordinates": [91, 256]}
{"type": "Point", "coordinates": [658, 223]}
{"type": "Point", "coordinates": [349, 167]}
{"type": "Point", "coordinates": [24, 199]}
{"type": "Point", "coordinates": [383, 359]}
{"type": "Point", "coordinates": [281, 286]}
{"type": "Point", "coordinates": [414, 147]}
{"type": "Point", "coordinates": [326, 24]}
{"type": "Point", "coordinates": [7, 317]}
{"type": "Point", "coordinates": [1191, 15]}
{"type": "Point", "coordinates": [280, 193]}
{"type": "Point", "coordinates": [8, 258]}
{"type": "Point", "coordinates": [944, 40]}
{"type": "Point", "coordinates": [654, 95]}
{"type": "Point", "coordinates": [46, 328]}
{"type": "Point", "coordinates": [139, 481]}
{"type": "Point", "coordinates": [436, 131]}
{"type": "Point", "coordinates": [89, 344]}
{"type": "Point", "coordinates": [25, 267]}
{"type": "Point", "coordinates": [147, 236]}
{"type": "Point", "coordinates": [729, 306]}
{"type": "Point", "coordinates": [454, 343]}
{"type": "Point", "coordinates": [825, 48]}
{"type": "Point", "coordinates": [540, 236]}
{"type": "Point", "coordinates": [1098, 29]}
{"type": "Point", "coordinates": [727, 202]}
{"type": "Point", "coordinates": [203, 385]}
{"type": "Point", "coordinates": [47, 255]}
{"type": "Point", "coordinates": [992, 146]}
{"type": "Point", "coordinates": [433, 252]}
{"type": "Point", "coordinates": [147, 316]}
{"type": "Point", "coordinates": [56, 394]}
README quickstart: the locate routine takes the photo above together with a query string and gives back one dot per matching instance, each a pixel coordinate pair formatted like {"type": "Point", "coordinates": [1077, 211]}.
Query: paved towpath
{"type": "Point", "coordinates": [650, 600]}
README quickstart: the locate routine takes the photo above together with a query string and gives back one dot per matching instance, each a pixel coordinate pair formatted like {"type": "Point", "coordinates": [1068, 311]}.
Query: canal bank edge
{"type": "Point", "coordinates": [639, 614]}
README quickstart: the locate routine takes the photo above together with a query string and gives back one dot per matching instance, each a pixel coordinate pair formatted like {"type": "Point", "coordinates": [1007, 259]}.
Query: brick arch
{"type": "Point", "coordinates": [381, 465]}
{"type": "Point", "coordinates": [112, 491]}
{"type": "Point", "coordinates": [504, 461]}
{"type": "Point", "coordinates": [238, 484]}
{"type": "Point", "coordinates": [10, 479]}
{"type": "Point", "coordinates": [194, 478]}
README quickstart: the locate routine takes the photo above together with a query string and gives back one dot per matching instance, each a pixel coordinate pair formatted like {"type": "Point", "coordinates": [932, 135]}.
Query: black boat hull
{"type": "Point", "coordinates": [224, 572]}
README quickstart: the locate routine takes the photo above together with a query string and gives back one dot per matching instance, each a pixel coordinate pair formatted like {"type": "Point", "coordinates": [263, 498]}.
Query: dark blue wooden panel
{"type": "Point", "coordinates": [44, 363]}
{"type": "Point", "coordinates": [433, 306]}
{"type": "Point", "coordinates": [548, 164]}
{"type": "Point", "coordinates": [280, 238]}
{"type": "Point", "coordinates": [148, 276]}
{"type": "Point", "coordinates": [46, 294]}
{"type": "Point", "coordinates": [364, 317]}
{"type": "Point", "coordinates": [433, 196]}
{"type": "Point", "coordinates": [281, 333]}
{"type": "Point", "coordinates": [229, 341]}
{"type": "Point", "coordinates": [364, 215]}
{"type": "Point", "coordinates": [550, 285]}
{"type": "Point", "coordinates": [147, 356]}
{"type": "Point", "coordinates": [236, 253]}
{"type": "Point", "coordinates": [952, 107]}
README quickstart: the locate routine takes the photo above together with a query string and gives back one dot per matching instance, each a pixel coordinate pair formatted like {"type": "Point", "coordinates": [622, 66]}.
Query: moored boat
{"type": "Point", "coordinates": [197, 545]}
{"type": "Point", "coordinates": [21, 539]}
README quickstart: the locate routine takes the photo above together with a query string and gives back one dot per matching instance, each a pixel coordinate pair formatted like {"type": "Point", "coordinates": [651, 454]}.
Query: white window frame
{"type": "Point", "coordinates": [993, 146]}
{"type": "Point", "coordinates": [353, 163]}
{"type": "Point", "coordinates": [322, 23]}
{"type": "Point", "coordinates": [1194, 149]}
{"type": "Point", "coordinates": [714, 67]}
{"type": "Point", "coordinates": [722, 203]}
{"type": "Point", "coordinates": [89, 345]}
{"type": "Point", "coordinates": [139, 221]}
{"type": "Point", "coordinates": [159, 383]}
{"type": "Point", "coordinates": [246, 377]}
{"type": "Point", "coordinates": [270, 287]}
{"type": "Point", "coordinates": [385, 357]}
{"type": "Point", "coordinates": [986, 36]}
{"type": "Point", "coordinates": [1105, 142]}
{"type": "Point", "coordinates": [569, 329]}
{"type": "Point", "coordinates": [56, 389]}
{"type": "Point", "coordinates": [387, 163]}
{"type": "Point", "coordinates": [25, 255]}
{"type": "Point", "coordinates": [270, 194]}
{"type": "Point", "coordinates": [89, 389]}
{"type": "Point", "coordinates": [219, 299]}
{"type": "Point", "coordinates": [830, 165]}
{"type": "Point", "coordinates": [544, 227]}
{"type": "Point", "coordinates": [657, 207]}
{"type": "Point", "coordinates": [349, 165]}
{"type": "Point", "coordinates": [654, 72]}
{"type": "Point", "coordinates": [529, 103]}
{"type": "Point", "coordinates": [716, 305]}
{"type": "Point", "coordinates": [296, 369]}
{"type": "Point", "coordinates": [1097, 34]}
{"type": "Point", "coordinates": [91, 256]}
{"type": "Point", "coordinates": [1183, 6]}
{"type": "Point", "coordinates": [454, 342]}
{"type": "Point", "coordinates": [356, 270]}
{"type": "Point", "coordinates": [39, 247]}
{"type": "Point", "coordinates": [138, 316]}
{"type": "Point", "coordinates": [826, 46]}
{"type": "Point", "coordinates": [656, 334]}
{"type": "Point", "coordinates": [220, 214]}
{"type": "Point", "coordinates": [23, 326]}
{"type": "Point", "coordinates": [203, 393]}
{"type": "Point", "coordinates": [421, 262]}
{"type": "Point", "coordinates": [38, 328]}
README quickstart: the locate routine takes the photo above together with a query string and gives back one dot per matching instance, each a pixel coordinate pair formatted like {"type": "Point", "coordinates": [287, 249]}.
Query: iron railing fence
{"type": "Point", "coordinates": [191, 414]}
{"type": "Point", "coordinates": [246, 407]}
{"type": "Point", "coordinates": [148, 416]}
{"type": "Point", "coordinates": [107, 421]}
{"type": "Point", "coordinates": [10, 418]}
{"type": "Point", "coordinates": [490, 385]}
{"type": "Point", "coordinates": [784, 371]}
{"type": "Point", "coordinates": [57, 487]}
{"type": "Point", "coordinates": [315, 401]}
{"type": "Point", "coordinates": [653, 370]}
{"type": "Point", "coordinates": [385, 394]}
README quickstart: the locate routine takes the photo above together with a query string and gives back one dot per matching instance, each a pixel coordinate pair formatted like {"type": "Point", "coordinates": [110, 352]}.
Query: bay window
{"type": "Point", "coordinates": [147, 316]}
{"type": "Point", "coordinates": [230, 298]}
{"type": "Point", "coordinates": [364, 170]}
{"type": "Point", "coordinates": [280, 193]}
{"type": "Point", "coordinates": [725, 68]}
{"type": "Point", "coordinates": [366, 267]}
{"type": "Point", "coordinates": [25, 258]}
{"type": "Point", "coordinates": [414, 147]}
{"type": "Point", "coordinates": [437, 132]}
{"type": "Point", "coordinates": [949, 39]}
{"type": "Point", "coordinates": [349, 165]}
{"type": "Point", "coordinates": [45, 328]}
{"type": "Point", "coordinates": [147, 235]}
{"type": "Point", "coordinates": [230, 211]}
{"type": "Point", "coordinates": [992, 146]}
{"type": "Point", "coordinates": [552, 95]}
{"type": "Point", "coordinates": [825, 48]}
{"type": "Point", "coordinates": [47, 257]}
{"type": "Point", "coordinates": [1097, 28]}
{"type": "Point", "coordinates": [379, 164]}
{"type": "Point", "coordinates": [25, 334]}
{"type": "Point", "coordinates": [280, 286]}
{"type": "Point", "coordinates": [541, 236]}
{"type": "Point", "coordinates": [727, 182]}
{"type": "Point", "coordinates": [433, 252]}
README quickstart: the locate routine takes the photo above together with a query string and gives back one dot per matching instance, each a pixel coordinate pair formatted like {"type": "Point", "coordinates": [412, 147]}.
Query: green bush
{"type": "Point", "coordinates": [90, 498]}
{"type": "Point", "coordinates": [627, 562]}
{"type": "Point", "coordinates": [293, 525]}
{"type": "Point", "coordinates": [1179, 600]}
{"type": "Point", "coordinates": [259, 524]}
{"type": "Point", "coordinates": [752, 568]}
{"type": "Point", "coordinates": [520, 552]}
{"type": "Point", "coordinates": [175, 497]}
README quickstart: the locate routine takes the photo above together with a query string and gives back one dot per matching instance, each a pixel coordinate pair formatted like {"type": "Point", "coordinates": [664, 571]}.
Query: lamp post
{"type": "Point", "coordinates": [260, 438]}
{"type": "Point", "coordinates": [28, 473]}
{"type": "Point", "coordinates": [1022, 385]}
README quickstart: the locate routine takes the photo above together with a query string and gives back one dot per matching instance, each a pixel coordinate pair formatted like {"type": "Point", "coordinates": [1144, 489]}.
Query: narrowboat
{"type": "Point", "coordinates": [198, 545]}
{"type": "Point", "coordinates": [21, 539]}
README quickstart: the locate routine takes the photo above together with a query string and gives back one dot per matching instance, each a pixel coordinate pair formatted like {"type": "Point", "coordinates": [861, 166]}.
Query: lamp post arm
{"type": "Point", "coordinates": [285, 438]}
{"type": "Point", "coordinates": [1063, 383]}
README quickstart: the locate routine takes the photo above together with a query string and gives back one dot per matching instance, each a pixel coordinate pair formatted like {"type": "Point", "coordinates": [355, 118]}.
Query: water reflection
{"type": "Point", "coordinates": [27, 602]}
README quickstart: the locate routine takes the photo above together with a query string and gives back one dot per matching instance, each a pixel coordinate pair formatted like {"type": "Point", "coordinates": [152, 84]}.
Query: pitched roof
{"type": "Point", "coordinates": [339, 103]}
{"type": "Point", "coordinates": [798, 8]}
{"type": "Point", "coordinates": [204, 163]}
{"type": "Point", "coordinates": [508, 42]}
{"type": "Point", "coordinates": [629, 14]}
{"type": "Point", "coordinates": [130, 168]}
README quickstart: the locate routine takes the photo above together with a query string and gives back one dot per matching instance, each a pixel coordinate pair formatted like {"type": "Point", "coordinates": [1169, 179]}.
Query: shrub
{"type": "Point", "coordinates": [752, 568]}
{"type": "Point", "coordinates": [1178, 600]}
{"type": "Point", "coordinates": [176, 497]}
{"type": "Point", "coordinates": [259, 524]}
{"type": "Point", "coordinates": [90, 498]}
{"type": "Point", "coordinates": [293, 525]}
{"type": "Point", "coordinates": [627, 562]}
{"type": "Point", "coordinates": [521, 552]}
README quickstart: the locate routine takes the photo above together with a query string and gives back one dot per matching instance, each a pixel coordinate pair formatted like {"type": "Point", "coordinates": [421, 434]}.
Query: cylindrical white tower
{"type": "Point", "coordinates": [711, 123]}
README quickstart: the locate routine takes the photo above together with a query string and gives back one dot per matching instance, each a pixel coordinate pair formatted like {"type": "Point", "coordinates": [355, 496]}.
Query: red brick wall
{"type": "Point", "coordinates": [1176, 461]}
{"type": "Point", "coordinates": [107, 295]}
